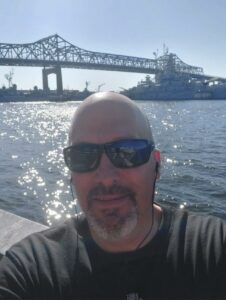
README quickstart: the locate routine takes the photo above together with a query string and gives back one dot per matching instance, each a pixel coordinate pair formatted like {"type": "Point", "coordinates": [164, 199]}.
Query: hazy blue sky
{"type": "Point", "coordinates": [193, 29]}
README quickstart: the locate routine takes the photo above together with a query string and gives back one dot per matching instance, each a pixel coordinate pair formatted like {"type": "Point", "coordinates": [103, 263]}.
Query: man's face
{"type": "Point", "coordinates": [116, 201]}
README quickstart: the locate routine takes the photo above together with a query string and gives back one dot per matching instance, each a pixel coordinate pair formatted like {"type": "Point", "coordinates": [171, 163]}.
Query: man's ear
{"type": "Point", "coordinates": [157, 156]}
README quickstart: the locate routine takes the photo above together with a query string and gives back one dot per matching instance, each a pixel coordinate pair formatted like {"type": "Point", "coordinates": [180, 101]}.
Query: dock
{"type": "Point", "coordinates": [14, 228]}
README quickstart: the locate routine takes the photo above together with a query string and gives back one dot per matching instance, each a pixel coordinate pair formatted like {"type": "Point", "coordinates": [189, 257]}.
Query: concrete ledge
{"type": "Point", "coordinates": [14, 228]}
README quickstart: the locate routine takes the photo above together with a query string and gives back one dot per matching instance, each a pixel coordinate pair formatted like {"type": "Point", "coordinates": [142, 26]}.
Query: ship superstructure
{"type": "Point", "coordinates": [177, 80]}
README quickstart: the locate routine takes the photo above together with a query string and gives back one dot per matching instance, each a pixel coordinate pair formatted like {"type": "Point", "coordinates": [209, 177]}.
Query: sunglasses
{"type": "Point", "coordinates": [127, 153]}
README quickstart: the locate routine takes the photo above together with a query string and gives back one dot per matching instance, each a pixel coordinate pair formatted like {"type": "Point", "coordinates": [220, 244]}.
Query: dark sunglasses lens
{"type": "Point", "coordinates": [81, 158]}
{"type": "Point", "coordinates": [129, 153]}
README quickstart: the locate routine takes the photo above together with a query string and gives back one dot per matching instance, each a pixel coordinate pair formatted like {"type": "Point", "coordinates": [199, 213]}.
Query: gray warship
{"type": "Point", "coordinates": [177, 80]}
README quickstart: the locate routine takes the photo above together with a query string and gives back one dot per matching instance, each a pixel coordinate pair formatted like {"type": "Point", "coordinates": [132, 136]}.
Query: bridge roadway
{"type": "Point", "coordinates": [53, 53]}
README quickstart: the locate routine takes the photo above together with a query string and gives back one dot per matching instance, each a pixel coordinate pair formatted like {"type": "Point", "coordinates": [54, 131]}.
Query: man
{"type": "Point", "coordinates": [125, 246]}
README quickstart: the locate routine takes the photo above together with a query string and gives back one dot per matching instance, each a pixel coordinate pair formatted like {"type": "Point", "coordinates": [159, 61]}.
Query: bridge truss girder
{"type": "Point", "coordinates": [55, 51]}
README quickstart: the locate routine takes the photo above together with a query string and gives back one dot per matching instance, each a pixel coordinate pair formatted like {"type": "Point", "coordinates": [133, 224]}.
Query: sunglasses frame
{"type": "Point", "coordinates": [106, 148]}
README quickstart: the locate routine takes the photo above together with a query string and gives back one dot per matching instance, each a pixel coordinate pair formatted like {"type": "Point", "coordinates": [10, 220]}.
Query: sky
{"type": "Point", "coordinates": [193, 29]}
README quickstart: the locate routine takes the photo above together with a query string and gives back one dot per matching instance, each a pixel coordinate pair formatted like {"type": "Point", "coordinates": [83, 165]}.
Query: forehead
{"type": "Point", "coordinates": [106, 121]}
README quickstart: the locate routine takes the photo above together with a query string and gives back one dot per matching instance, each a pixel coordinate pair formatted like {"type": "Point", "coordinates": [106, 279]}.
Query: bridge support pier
{"type": "Point", "coordinates": [55, 70]}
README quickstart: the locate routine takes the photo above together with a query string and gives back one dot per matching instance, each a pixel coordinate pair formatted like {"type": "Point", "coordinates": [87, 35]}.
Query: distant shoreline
{"type": "Point", "coordinates": [9, 95]}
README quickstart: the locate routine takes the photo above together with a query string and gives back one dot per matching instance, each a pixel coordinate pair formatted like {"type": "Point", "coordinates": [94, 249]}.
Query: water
{"type": "Point", "coordinates": [34, 181]}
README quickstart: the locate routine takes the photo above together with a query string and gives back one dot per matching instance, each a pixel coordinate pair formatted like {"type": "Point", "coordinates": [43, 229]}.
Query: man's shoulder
{"type": "Point", "coordinates": [196, 238]}
{"type": "Point", "coordinates": [49, 259]}
{"type": "Point", "coordinates": [194, 221]}
{"type": "Point", "coordinates": [56, 239]}
{"type": "Point", "coordinates": [209, 230]}
{"type": "Point", "coordinates": [198, 224]}
{"type": "Point", "coordinates": [192, 231]}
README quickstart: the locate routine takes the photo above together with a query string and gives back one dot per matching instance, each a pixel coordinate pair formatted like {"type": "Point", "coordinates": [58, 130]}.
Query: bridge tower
{"type": "Point", "coordinates": [54, 70]}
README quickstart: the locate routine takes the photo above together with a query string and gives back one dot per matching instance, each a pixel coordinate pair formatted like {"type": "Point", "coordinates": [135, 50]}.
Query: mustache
{"type": "Point", "coordinates": [114, 189]}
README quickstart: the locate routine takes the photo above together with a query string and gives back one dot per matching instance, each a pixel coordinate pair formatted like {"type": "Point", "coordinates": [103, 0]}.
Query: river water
{"type": "Point", "coordinates": [34, 181]}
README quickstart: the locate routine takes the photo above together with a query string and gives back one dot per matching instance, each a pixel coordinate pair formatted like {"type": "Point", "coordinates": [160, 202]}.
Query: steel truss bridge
{"type": "Point", "coordinates": [53, 53]}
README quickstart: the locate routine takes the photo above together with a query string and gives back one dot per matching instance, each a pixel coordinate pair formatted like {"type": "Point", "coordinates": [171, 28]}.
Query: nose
{"type": "Point", "coordinates": [106, 171]}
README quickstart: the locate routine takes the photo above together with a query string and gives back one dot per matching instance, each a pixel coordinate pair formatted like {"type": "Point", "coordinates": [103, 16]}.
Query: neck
{"type": "Point", "coordinates": [141, 235]}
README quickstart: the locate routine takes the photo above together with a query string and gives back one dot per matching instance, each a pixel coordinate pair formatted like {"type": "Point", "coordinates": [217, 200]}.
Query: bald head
{"type": "Point", "coordinates": [103, 116]}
